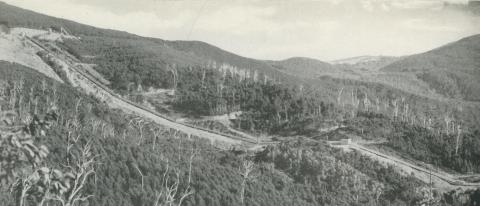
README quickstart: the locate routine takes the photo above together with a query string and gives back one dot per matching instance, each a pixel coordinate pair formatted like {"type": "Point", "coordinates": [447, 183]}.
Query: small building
{"type": "Point", "coordinates": [346, 141]}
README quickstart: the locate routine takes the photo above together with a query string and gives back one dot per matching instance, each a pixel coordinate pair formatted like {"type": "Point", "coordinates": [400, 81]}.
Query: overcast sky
{"type": "Point", "coordinates": [279, 29]}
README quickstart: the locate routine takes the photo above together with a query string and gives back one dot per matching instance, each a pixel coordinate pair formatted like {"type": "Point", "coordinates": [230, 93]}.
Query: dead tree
{"type": "Point", "coordinates": [77, 106]}
{"type": "Point", "coordinates": [378, 190]}
{"type": "Point", "coordinates": [429, 123]}
{"type": "Point", "coordinates": [54, 94]}
{"type": "Point", "coordinates": [23, 152]}
{"type": "Point", "coordinates": [31, 99]}
{"type": "Point", "coordinates": [44, 86]}
{"type": "Point", "coordinates": [405, 112]}
{"type": "Point", "coordinates": [76, 176]}
{"type": "Point", "coordinates": [395, 108]}
{"type": "Point", "coordinates": [179, 149]}
{"type": "Point", "coordinates": [140, 172]}
{"type": "Point", "coordinates": [447, 121]}
{"type": "Point", "coordinates": [174, 72]}
{"type": "Point", "coordinates": [103, 130]}
{"type": "Point", "coordinates": [366, 103]}
{"type": "Point", "coordinates": [107, 130]}
{"type": "Point", "coordinates": [139, 123]}
{"type": "Point", "coordinates": [339, 96]}
{"type": "Point", "coordinates": [24, 185]}
{"type": "Point", "coordinates": [71, 141]}
{"type": "Point", "coordinates": [356, 187]}
{"type": "Point", "coordinates": [156, 131]}
{"type": "Point", "coordinates": [355, 102]}
{"type": "Point", "coordinates": [459, 133]}
{"type": "Point", "coordinates": [192, 156]}
{"type": "Point", "coordinates": [245, 172]}
{"type": "Point", "coordinates": [94, 124]}
{"type": "Point", "coordinates": [35, 111]}
{"type": "Point", "coordinates": [203, 77]}
{"type": "Point", "coordinates": [129, 90]}
{"type": "Point", "coordinates": [167, 196]}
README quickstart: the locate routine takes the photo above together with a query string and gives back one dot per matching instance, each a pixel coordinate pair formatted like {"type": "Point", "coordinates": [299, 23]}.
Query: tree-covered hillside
{"type": "Point", "coordinates": [129, 61]}
{"type": "Point", "coordinates": [305, 67]}
{"type": "Point", "coordinates": [137, 168]}
{"type": "Point", "coordinates": [452, 70]}
{"type": "Point", "coordinates": [276, 106]}
{"type": "Point", "coordinates": [59, 146]}
{"type": "Point", "coordinates": [455, 149]}
{"type": "Point", "coordinates": [18, 17]}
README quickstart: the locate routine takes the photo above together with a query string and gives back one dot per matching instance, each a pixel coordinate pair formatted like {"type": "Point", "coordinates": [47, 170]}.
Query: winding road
{"type": "Point", "coordinates": [440, 179]}
{"type": "Point", "coordinates": [78, 77]}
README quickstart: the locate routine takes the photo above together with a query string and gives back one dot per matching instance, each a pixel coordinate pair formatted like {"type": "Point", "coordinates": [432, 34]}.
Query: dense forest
{"type": "Point", "coordinates": [129, 62]}
{"type": "Point", "coordinates": [59, 146]}
{"type": "Point", "coordinates": [455, 149]}
{"type": "Point", "coordinates": [132, 167]}
{"type": "Point", "coordinates": [274, 108]}
{"type": "Point", "coordinates": [265, 105]}
{"type": "Point", "coordinates": [451, 70]}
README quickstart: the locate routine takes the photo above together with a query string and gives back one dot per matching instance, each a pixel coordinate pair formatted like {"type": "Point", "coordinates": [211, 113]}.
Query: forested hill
{"type": "Point", "coordinates": [130, 61]}
{"type": "Point", "coordinates": [303, 67]}
{"type": "Point", "coordinates": [62, 144]}
{"type": "Point", "coordinates": [18, 17]}
{"type": "Point", "coordinates": [160, 53]}
{"type": "Point", "coordinates": [124, 58]}
{"type": "Point", "coordinates": [462, 55]}
{"type": "Point", "coordinates": [369, 63]}
{"type": "Point", "coordinates": [452, 70]}
{"type": "Point", "coordinates": [212, 53]}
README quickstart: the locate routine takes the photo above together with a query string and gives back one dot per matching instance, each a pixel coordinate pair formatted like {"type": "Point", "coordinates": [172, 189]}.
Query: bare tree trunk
{"type": "Point", "coordinates": [248, 167]}
{"type": "Point", "coordinates": [141, 174]}
{"type": "Point", "coordinates": [242, 191]}
{"type": "Point", "coordinates": [36, 106]}
{"type": "Point", "coordinates": [23, 194]}
{"type": "Point", "coordinates": [447, 123]}
{"type": "Point", "coordinates": [339, 97]}
{"type": "Point", "coordinates": [459, 131]}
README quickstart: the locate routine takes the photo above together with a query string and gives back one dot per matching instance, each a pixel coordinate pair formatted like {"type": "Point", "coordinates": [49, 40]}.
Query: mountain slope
{"type": "Point", "coordinates": [303, 67]}
{"type": "Point", "coordinates": [462, 55]}
{"type": "Point", "coordinates": [452, 70]}
{"type": "Point", "coordinates": [212, 53]}
{"type": "Point", "coordinates": [129, 61]}
{"type": "Point", "coordinates": [368, 63]}
{"type": "Point", "coordinates": [163, 52]}
{"type": "Point", "coordinates": [18, 17]}
{"type": "Point", "coordinates": [320, 174]}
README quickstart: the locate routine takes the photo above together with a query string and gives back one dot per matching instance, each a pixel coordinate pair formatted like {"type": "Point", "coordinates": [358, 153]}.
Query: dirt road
{"type": "Point", "coordinates": [441, 180]}
{"type": "Point", "coordinates": [82, 79]}
{"type": "Point", "coordinates": [77, 77]}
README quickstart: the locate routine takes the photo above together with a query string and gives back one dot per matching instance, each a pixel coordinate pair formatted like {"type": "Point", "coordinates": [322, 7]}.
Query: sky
{"type": "Point", "coordinates": [280, 29]}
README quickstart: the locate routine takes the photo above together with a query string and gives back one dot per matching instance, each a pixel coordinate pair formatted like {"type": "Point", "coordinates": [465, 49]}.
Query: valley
{"type": "Point", "coordinates": [88, 83]}
{"type": "Point", "coordinates": [146, 121]}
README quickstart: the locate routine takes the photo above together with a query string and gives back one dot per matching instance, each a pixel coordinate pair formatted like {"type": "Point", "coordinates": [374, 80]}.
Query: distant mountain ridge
{"type": "Point", "coordinates": [150, 54]}
{"type": "Point", "coordinates": [366, 63]}
{"type": "Point", "coordinates": [209, 52]}
{"type": "Point", "coordinates": [463, 54]}
{"type": "Point", "coordinates": [18, 17]}
{"type": "Point", "coordinates": [361, 59]}
{"type": "Point", "coordinates": [303, 67]}
{"type": "Point", "coordinates": [452, 70]}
